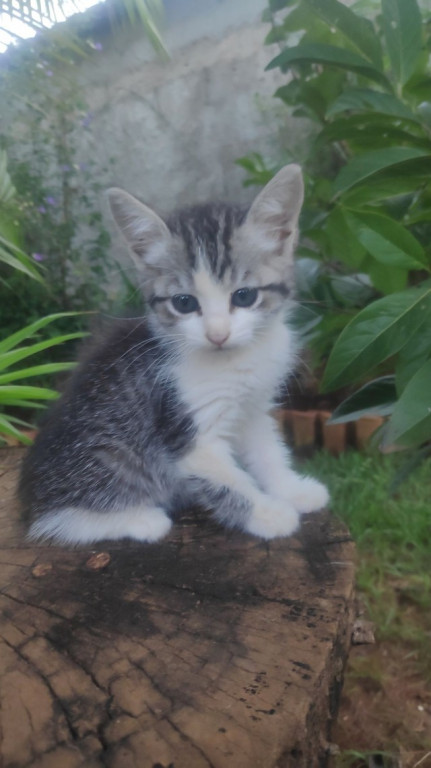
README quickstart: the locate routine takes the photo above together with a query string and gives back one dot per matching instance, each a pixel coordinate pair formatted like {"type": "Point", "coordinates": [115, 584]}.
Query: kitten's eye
{"type": "Point", "coordinates": [244, 297]}
{"type": "Point", "coordinates": [185, 303]}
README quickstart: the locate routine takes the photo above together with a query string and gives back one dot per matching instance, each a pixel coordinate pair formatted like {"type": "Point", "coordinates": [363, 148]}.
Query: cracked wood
{"type": "Point", "coordinates": [208, 650]}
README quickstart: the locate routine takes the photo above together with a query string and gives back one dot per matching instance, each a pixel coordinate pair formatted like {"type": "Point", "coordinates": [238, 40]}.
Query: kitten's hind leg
{"type": "Point", "coordinates": [81, 526]}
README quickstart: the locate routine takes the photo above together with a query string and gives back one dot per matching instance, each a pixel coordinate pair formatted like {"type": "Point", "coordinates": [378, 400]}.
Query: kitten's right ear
{"type": "Point", "coordinates": [141, 227]}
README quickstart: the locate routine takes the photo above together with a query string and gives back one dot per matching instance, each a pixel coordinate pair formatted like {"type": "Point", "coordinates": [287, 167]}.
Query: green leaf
{"type": "Point", "coordinates": [317, 53]}
{"type": "Point", "coordinates": [12, 403]}
{"type": "Point", "coordinates": [386, 240]}
{"type": "Point", "coordinates": [367, 164]}
{"type": "Point", "coordinates": [343, 243]}
{"type": "Point", "coordinates": [7, 428]}
{"type": "Point", "coordinates": [386, 280]}
{"type": "Point", "coordinates": [402, 27]}
{"type": "Point", "coordinates": [411, 420]}
{"type": "Point", "coordinates": [369, 131]}
{"type": "Point", "coordinates": [24, 392]}
{"type": "Point", "coordinates": [376, 333]}
{"type": "Point", "coordinates": [10, 358]}
{"type": "Point", "coordinates": [36, 370]}
{"type": "Point", "coordinates": [277, 5]}
{"type": "Point", "coordinates": [11, 255]}
{"type": "Point", "coordinates": [388, 184]}
{"type": "Point", "coordinates": [377, 397]}
{"type": "Point", "coordinates": [365, 99]}
{"type": "Point", "coordinates": [358, 30]}
{"type": "Point", "coordinates": [7, 189]}
{"type": "Point", "coordinates": [412, 357]}
{"type": "Point", "coordinates": [29, 330]}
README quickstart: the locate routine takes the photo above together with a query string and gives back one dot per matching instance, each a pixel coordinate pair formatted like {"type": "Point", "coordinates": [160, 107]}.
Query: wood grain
{"type": "Point", "coordinates": [208, 650]}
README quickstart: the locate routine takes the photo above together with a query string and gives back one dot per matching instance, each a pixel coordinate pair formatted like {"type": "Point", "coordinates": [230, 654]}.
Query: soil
{"type": "Point", "coordinates": [385, 707]}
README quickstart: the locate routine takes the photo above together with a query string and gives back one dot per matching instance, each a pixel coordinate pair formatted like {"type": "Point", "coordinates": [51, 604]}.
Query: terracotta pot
{"type": "Point", "coordinates": [365, 427]}
{"type": "Point", "coordinates": [334, 436]}
{"type": "Point", "coordinates": [304, 427]}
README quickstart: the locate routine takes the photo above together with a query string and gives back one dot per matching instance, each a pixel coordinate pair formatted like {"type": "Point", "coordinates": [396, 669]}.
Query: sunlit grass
{"type": "Point", "coordinates": [393, 537]}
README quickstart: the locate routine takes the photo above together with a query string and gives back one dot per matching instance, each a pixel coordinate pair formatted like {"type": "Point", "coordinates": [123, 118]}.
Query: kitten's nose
{"type": "Point", "coordinates": [217, 338]}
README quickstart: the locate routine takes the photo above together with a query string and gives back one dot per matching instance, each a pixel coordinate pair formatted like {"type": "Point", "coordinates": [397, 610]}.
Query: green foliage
{"type": "Point", "coordinates": [393, 537]}
{"type": "Point", "coordinates": [10, 252]}
{"type": "Point", "coordinates": [364, 80]}
{"type": "Point", "coordinates": [15, 396]}
{"type": "Point", "coordinates": [57, 205]}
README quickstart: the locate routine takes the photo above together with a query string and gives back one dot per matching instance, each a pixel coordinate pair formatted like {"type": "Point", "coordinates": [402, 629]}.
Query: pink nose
{"type": "Point", "coordinates": [217, 339]}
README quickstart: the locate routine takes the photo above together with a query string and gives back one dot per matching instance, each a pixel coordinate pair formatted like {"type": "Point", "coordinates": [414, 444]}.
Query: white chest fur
{"type": "Point", "coordinates": [221, 387]}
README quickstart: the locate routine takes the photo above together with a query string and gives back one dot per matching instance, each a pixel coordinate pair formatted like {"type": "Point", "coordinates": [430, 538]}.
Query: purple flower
{"type": "Point", "coordinates": [41, 209]}
{"type": "Point", "coordinates": [98, 46]}
{"type": "Point", "coordinates": [86, 120]}
{"type": "Point", "coordinates": [65, 168]}
{"type": "Point", "coordinates": [83, 166]}
{"type": "Point", "coordinates": [51, 200]}
{"type": "Point", "coordinates": [38, 256]}
{"type": "Point", "coordinates": [49, 73]}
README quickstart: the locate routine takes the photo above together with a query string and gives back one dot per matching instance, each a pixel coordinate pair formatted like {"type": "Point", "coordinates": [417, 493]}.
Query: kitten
{"type": "Point", "coordinates": [172, 409]}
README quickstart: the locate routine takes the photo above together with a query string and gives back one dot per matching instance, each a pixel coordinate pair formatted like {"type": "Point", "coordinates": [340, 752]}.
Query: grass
{"type": "Point", "coordinates": [387, 685]}
{"type": "Point", "coordinates": [393, 537]}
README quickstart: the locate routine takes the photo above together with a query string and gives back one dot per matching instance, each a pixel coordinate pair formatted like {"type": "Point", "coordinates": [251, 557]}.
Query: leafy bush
{"type": "Point", "coordinates": [366, 84]}
{"type": "Point", "coordinates": [13, 394]}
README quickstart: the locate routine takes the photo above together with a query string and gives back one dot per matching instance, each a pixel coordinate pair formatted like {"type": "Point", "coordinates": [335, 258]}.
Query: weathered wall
{"type": "Point", "coordinates": [175, 129]}
{"type": "Point", "coordinates": [170, 131]}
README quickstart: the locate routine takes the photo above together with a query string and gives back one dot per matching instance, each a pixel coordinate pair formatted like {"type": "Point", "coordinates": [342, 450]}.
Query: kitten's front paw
{"type": "Point", "coordinates": [150, 525]}
{"type": "Point", "coordinates": [272, 518]}
{"type": "Point", "coordinates": [305, 494]}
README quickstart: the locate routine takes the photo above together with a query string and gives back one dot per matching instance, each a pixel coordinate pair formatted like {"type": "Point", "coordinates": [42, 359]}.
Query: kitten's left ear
{"type": "Point", "coordinates": [275, 211]}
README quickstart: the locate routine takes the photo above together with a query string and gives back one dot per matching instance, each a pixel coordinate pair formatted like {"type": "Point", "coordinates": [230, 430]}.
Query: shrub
{"type": "Point", "coordinates": [365, 82]}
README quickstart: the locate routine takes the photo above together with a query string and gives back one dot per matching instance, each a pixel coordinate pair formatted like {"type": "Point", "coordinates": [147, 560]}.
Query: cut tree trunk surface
{"type": "Point", "coordinates": [211, 649]}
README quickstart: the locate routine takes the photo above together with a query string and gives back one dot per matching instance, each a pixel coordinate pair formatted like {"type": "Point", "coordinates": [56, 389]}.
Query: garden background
{"type": "Point", "coordinates": [92, 104]}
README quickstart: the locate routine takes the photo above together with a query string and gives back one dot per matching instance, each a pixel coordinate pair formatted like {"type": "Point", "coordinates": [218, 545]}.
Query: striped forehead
{"type": "Point", "coordinates": [207, 232]}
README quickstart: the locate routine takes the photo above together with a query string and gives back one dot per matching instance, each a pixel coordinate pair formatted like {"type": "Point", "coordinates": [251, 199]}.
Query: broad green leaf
{"type": "Point", "coordinates": [36, 370]}
{"type": "Point", "coordinates": [297, 92]}
{"type": "Point", "coordinates": [402, 27]}
{"type": "Point", "coordinates": [29, 330]}
{"type": "Point", "coordinates": [376, 333]}
{"type": "Point", "coordinates": [277, 5]}
{"type": "Point", "coordinates": [386, 280]}
{"type": "Point", "coordinates": [7, 428]}
{"type": "Point", "coordinates": [365, 99]}
{"type": "Point", "coordinates": [411, 420]}
{"type": "Point", "coordinates": [358, 30]}
{"type": "Point", "coordinates": [412, 357]}
{"type": "Point", "coordinates": [317, 53]}
{"type": "Point", "coordinates": [344, 244]}
{"type": "Point", "coordinates": [10, 358]}
{"type": "Point", "coordinates": [377, 397]}
{"type": "Point", "coordinates": [386, 240]}
{"type": "Point", "coordinates": [388, 184]}
{"type": "Point", "coordinates": [23, 392]}
{"type": "Point", "coordinates": [366, 164]}
{"type": "Point", "coordinates": [352, 290]}
{"type": "Point", "coordinates": [370, 131]}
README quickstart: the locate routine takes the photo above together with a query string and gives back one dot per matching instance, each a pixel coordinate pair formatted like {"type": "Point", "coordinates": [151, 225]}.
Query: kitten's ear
{"type": "Point", "coordinates": [144, 231]}
{"type": "Point", "coordinates": [274, 213]}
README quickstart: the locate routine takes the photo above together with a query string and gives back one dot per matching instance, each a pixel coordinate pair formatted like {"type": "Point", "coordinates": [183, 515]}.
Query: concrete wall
{"type": "Point", "coordinates": [174, 129]}
{"type": "Point", "coordinates": [170, 131]}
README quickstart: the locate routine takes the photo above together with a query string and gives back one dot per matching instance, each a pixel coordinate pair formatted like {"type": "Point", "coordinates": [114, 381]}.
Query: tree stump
{"type": "Point", "coordinates": [211, 649]}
